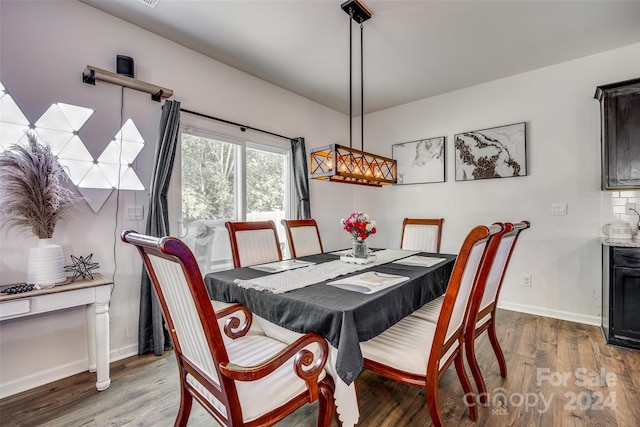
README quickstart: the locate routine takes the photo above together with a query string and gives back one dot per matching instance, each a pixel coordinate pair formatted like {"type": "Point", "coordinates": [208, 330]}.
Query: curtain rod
{"type": "Point", "coordinates": [241, 126]}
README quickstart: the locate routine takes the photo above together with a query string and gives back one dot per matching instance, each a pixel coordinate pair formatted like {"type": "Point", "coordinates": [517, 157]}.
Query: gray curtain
{"type": "Point", "coordinates": [301, 177]}
{"type": "Point", "coordinates": [152, 335]}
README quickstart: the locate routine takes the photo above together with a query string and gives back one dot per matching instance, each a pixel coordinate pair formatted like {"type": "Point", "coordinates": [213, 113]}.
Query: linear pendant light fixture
{"type": "Point", "coordinates": [345, 164]}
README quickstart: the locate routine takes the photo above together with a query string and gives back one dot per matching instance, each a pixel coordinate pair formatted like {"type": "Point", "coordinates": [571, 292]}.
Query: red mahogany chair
{"type": "Point", "coordinates": [251, 380]}
{"type": "Point", "coordinates": [418, 352]}
{"type": "Point", "coordinates": [485, 306]}
{"type": "Point", "coordinates": [482, 310]}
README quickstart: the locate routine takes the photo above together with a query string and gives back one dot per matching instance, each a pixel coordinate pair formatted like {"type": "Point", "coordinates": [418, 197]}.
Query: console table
{"type": "Point", "coordinates": [94, 294]}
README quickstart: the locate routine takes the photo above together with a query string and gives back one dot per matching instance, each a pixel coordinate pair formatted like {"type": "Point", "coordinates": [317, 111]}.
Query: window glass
{"type": "Point", "coordinates": [218, 178]}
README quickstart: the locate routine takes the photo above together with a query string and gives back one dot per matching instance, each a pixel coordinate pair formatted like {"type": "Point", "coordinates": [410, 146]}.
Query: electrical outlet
{"type": "Point", "coordinates": [628, 207]}
{"type": "Point", "coordinates": [525, 280]}
{"type": "Point", "coordinates": [559, 209]}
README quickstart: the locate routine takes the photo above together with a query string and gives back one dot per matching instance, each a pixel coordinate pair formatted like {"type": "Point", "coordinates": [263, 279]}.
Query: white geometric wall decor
{"type": "Point", "coordinates": [58, 127]}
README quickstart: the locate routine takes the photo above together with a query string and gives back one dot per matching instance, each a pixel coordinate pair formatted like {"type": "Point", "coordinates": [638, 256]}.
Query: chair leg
{"type": "Point", "coordinates": [326, 402]}
{"type": "Point", "coordinates": [186, 401]}
{"type": "Point", "coordinates": [469, 396]}
{"type": "Point", "coordinates": [496, 346]}
{"type": "Point", "coordinates": [432, 403]}
{"type": "Point", "coordinates": [470, 353]}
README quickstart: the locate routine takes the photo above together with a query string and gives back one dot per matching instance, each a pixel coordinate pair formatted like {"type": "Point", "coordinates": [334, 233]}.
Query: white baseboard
{"type": "Point", "coordinates": [556, 314]}
{"type": "Point", "coordinates": [39, 378]}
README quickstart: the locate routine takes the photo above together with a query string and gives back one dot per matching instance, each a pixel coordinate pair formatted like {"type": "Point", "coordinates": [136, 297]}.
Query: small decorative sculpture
{"type": "Point", "coordinates": [81, 267]}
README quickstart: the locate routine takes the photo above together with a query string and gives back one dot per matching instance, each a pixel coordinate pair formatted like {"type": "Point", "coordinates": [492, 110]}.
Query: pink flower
{"type": "Point", "coordinates": [359, 225]}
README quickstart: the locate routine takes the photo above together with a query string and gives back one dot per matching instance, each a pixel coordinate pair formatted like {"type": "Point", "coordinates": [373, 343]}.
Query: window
{"type": "Point", "coordinates": [221, 177]}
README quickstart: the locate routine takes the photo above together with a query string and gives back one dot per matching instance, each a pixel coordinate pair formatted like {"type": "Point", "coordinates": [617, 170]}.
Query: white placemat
{"type": "Point", "coordinates": [420, 261]}
{"type": "Point", "coordinates": [369, 282]}
{"type": "Point", "coordinates": [294, 279]}
{"type": "Point", "coordinates": [279, 266]}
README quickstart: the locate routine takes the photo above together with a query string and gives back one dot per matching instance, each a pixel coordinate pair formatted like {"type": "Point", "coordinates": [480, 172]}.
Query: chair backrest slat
{"type": "Point", "coordinates": [421, 234]}
{"type": "Point", "coordinates": [303, 237]}
{"type": "Point", "coordinates": [184, 314]}
{"type": "Point", "coordinates": [465, 287]}
{"type": "Point", "coordinates": [500, 263]}
{"type": "Point", "coordinates": [254, 242]}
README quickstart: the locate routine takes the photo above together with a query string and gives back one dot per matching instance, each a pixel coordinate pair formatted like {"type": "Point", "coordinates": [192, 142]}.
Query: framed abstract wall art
{"type": "Point", "coordinates": [498, 152]}
{"type": "Point", "coordinates": [420, 161]}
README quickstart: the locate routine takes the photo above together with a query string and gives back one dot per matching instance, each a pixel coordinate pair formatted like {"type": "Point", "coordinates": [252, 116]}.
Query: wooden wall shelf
{"type": "Point", "coordinates": [91, 74]}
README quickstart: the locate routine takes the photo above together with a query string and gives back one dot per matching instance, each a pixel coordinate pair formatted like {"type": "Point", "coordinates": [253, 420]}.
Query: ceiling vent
{"type": "Point", "coordinates": [150, 3]}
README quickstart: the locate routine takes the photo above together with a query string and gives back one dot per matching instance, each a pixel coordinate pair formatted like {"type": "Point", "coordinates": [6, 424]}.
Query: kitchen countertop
{"type": "Point", "coordinates": [628, 243]}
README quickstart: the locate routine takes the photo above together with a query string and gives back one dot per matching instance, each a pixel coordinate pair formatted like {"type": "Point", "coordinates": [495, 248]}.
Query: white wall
{"type": "Point", "coordinates": [45, 46]}
{"type": "Point", "coordinates": [562, 253]}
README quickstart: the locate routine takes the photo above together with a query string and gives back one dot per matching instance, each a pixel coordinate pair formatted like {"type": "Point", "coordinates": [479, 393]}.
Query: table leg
{"type": "Point", "coordinates": [90, 311]}
{"type": "Point", "coordinates": [101, 331]}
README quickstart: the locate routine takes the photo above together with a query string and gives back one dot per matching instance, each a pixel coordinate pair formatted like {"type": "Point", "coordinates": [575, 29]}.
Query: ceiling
{"type": "Point", "coordinates": [412, 49]}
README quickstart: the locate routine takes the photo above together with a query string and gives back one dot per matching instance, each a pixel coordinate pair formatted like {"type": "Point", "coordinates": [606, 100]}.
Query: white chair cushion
{"type": "Point", "coordinates": [257, 247]}
{"type": "Point", "coordinates": [404, 346]}
{"type": "Point", "coordinates": [430, 311]}
{"type": "Point", "coordinates": [263, 395]}
{"type": "Point", "coordinates": [420, 238]}
{"type": "Point", "coordinates": [305, 240]}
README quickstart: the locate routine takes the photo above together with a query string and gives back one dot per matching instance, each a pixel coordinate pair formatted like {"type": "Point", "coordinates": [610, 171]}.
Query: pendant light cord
{"type": "Point", "coordinates": [350, 81]}
{"type": "Point", "coordinates": [362, 86]}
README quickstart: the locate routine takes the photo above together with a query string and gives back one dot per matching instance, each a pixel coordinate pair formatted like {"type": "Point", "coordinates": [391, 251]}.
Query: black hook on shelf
{"type": "Point", "coordinates": [89, 78]}
{"type": "Point", "coordinates": [157, 96]}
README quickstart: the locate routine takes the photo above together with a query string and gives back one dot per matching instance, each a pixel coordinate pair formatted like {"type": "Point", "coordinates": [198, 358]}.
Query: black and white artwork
{"type": "Point", "coordinates": [420, 161]}
{"type": "Point", "coordinates": [498, 152]}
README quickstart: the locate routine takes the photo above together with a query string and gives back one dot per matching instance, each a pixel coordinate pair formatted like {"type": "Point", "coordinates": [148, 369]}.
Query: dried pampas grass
{"type": "Point", "coordinates": [31, 191]}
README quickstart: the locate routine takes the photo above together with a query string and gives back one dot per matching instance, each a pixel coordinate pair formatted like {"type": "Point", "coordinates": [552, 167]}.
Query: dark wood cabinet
{"type": "Point", "coordinates": [621, 296]}
{"type": "Point", "coordinates": [620, 127]}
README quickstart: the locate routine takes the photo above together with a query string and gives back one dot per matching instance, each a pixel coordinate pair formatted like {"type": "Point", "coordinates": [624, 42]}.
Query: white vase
{"type": "Point", "coordinates": [45, 265]}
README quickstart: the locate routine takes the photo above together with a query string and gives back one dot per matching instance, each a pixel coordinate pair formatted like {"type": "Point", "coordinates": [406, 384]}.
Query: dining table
{"type": "Point", "coordinates": [343, 299]}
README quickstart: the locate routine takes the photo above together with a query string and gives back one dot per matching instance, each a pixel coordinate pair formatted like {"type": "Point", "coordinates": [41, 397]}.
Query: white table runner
{"type": "Point", "coordinates": [294, 279]}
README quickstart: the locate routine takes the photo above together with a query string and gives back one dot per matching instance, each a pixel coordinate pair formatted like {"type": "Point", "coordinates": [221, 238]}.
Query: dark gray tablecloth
{"type": "Point", "coordinates": [343, 317]}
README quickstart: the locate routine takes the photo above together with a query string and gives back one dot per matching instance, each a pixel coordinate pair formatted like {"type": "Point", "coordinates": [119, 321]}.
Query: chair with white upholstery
{"type": "Point", "coordinates": [483, 308]}
{"type": "Point", "coordinates": [303, 237]}
{"type": "Point", "coordinates": [250, 380]}
{"type": "Point", "coordinates": [421, 234]}
{"type": "Point", "coordinates": [418, 352]}
{"type": "Point", "coordinates": [254, 242]}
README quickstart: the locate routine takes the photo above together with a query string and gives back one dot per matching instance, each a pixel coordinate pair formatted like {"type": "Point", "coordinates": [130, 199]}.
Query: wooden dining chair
{"type": "Point", "coordinates": [253, 242]}
{"type": "Point", "coordinates": [483, 308]}
{"type": "Point", "coordinates": [421, 234]}
{"type": "Point", "coordinates": [418, 352]}
{"type": "Point", "coordinates": [251, 380]}
{"type": "Point", "coordinates": [303, 237]}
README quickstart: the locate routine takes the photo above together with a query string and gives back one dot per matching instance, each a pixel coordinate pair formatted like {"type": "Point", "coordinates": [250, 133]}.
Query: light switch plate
{"type": "Point", "coordinates": [135, 212]}
{"type": "Point", "coordinates": [559, 209]}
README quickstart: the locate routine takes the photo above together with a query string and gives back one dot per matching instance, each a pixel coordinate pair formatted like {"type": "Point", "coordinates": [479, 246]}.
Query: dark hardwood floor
{"type": "Point", "coordinates": [560, 374]}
